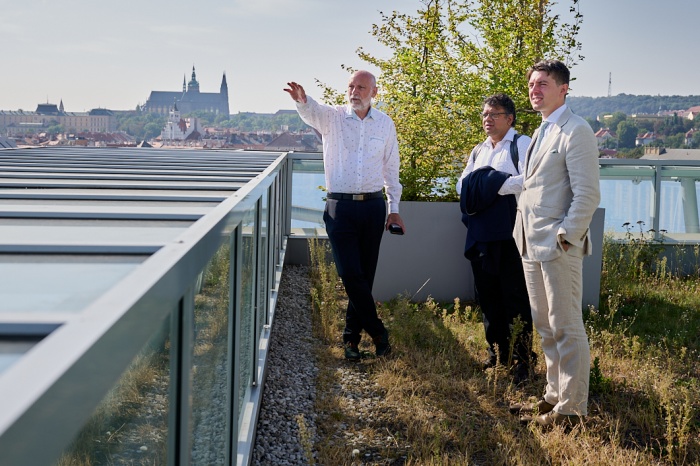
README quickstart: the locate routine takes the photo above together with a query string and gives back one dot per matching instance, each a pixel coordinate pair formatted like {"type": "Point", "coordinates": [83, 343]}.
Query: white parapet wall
{"type": "Point", "coordinates": [429, 259]}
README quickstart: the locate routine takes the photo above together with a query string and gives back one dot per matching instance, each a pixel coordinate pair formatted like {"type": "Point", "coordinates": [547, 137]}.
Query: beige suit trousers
{"type": "Point", "coordinates": [556, 295]}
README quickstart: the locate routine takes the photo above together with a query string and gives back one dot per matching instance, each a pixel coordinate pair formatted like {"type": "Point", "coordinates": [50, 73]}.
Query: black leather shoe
{"type": "Point", "coordinates": [381, 343]}
{"type": "Point", "coordinates": [521, 373]}
{"type": "Point", "coordinates": [352, 352]}
{"type": "Point", "coordinates": [521, 409]}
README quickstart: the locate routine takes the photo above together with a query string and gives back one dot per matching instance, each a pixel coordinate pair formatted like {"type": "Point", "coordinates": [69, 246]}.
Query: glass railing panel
{"type": "Point", "coordinates": [263, 286]}
{"type": "Point", "coordinates": [678, 209]}
{"type": "Point", "coordinates": [628, 196]}
{"type": "Point", "coordinates": [130, 426]}
{"type": "Point", "coordinates": [308, 197]}
{"type": "Point", "coordinates": [628, 204]}
{"type": "Point", "coordinates": [244, 347]}
{"type": "Point", "coordinates": [210, 362]}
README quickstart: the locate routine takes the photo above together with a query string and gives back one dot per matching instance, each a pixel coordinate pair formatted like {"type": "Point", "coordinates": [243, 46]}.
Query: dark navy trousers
{"type": "Point", "coordinates": [502, 296]}
{"type": "Point", "coordinates": [355, 230]}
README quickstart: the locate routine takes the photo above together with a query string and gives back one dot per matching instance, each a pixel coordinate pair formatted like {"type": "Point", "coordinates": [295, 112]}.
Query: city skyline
{"type": "Point", "coordinates": [95, 56]}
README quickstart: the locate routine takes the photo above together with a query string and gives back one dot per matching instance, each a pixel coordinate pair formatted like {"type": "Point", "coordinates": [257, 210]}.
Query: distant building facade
{"type": "Point", "coordinates": [14, 122]}
{"type": "Point", "coordinates": [645, 139]}
{"type": "Point", "coordinates": [603, 135]}
{"type": "Point", "coordinates": [190, 99]}
{"type": "Point", "coordinates": [180, 129]}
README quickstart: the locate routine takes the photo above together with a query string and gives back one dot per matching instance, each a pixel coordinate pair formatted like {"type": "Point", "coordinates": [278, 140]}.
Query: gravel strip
{"type": "Point", "coordinates": [362, 430]}
{"type": "Point", "coordinates": [290, 385]}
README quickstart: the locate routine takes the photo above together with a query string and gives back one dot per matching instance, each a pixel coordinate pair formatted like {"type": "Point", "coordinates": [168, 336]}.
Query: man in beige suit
{"type": "Point", "coordinates": [561, 192]}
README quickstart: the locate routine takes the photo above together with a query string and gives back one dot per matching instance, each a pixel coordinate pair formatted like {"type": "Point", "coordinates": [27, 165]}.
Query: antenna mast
{"type": "Point", "coordinates": [609, 84]}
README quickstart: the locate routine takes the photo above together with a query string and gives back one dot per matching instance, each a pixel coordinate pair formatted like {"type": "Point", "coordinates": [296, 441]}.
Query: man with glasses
{"type": "Point", "coordinates": [488, 190]}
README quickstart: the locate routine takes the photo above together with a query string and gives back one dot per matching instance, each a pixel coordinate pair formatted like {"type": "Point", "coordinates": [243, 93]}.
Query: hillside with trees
{"type": "Point", "coordinates": [671, 132]}
{"type": "Point", "coordinates": [591, 107]}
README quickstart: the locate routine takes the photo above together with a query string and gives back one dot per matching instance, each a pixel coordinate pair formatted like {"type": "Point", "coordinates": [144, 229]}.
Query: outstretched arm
{"type": "Point", "coordinates": [296, 92]}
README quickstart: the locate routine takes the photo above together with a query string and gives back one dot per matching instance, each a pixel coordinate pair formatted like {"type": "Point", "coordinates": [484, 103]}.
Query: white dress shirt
{"type": "Point", "coordinates": [553, 118]}
{"type": "Point", "coordinates": [359, 155]}
{"type": "Point", "coordinates": [498, 157]}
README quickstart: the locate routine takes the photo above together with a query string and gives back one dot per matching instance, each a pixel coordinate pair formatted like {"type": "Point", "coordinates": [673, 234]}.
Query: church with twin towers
{"type": "Point", "coordinates": [190, 99]}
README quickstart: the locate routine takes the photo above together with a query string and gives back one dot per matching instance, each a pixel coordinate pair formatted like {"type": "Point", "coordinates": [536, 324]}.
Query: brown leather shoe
{"type": "Point", "coordinates": [552, 419]}
{"type": "Point", "coordinates": [520, 409]}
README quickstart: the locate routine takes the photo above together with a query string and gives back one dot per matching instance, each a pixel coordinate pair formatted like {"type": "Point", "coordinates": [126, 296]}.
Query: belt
{"type": "Point", "coordinates": [355, 197]}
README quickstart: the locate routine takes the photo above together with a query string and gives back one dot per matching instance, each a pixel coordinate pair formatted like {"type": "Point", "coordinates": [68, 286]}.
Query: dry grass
{"type": "Point", "coordinates": [433, 405]}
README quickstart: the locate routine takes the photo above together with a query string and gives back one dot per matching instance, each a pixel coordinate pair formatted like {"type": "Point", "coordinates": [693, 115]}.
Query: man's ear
{"type": "Point", "coordinates": [374, 92]}
{"type": "Point", "coordinates": [565, 89]}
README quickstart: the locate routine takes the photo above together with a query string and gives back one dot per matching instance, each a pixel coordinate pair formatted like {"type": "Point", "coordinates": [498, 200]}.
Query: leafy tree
{"type": "Point", "coordinates": [595, 124]}
{"type": "Point", "coordinates": [55, 129]}
{"type": "Point", "coordinates": [152, 130]}
{"type": "Point", "coordinates": [644, 125]}
{"type": "Point", "coordinates": [205, 118]}
{"type": "Point", "coordinates": [626, 134]}
{"type": "Point", "coordinates": [635, 153]}
{"type": "Point", "coordinates": [696, 140]}
{"type": "Point", "coordinates": [672, 125]}
{"type": "Point", "coordinates": [612, 120]}
{"type": "Point", "coordinates": [445, 59]}
{"type": "Point", "coordinates": [427, 91]}
{"type": "Point", "coordinates": [610, 143]}
{"type": "Point", "coordinates": [674, 141]}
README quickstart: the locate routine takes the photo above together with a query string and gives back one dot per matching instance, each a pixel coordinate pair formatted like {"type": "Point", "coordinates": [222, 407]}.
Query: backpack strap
{"type": "Point", "coordinates": [475, 152]}
{"type": "Point", "coordinates": [514, 156]}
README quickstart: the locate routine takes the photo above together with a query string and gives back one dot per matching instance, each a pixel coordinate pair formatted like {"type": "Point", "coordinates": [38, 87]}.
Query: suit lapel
{"type": "Point", "coordinates": [534, 159]}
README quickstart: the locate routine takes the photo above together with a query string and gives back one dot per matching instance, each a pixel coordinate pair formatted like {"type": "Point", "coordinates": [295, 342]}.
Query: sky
{"type": "Point", "coordinates": [98, 54]}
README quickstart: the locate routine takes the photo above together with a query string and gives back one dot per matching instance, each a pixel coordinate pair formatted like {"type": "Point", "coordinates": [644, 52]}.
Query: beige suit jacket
{"type": "Point", "coordinates": [561, 190]}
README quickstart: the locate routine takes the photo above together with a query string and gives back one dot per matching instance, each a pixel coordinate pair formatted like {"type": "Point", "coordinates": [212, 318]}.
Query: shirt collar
{"type": "Point", "coordinates": [350, 113]}
{"type": "Point", "coordinates": [508, 137]}
{"type": "Point", "coordinates": [554, 116]}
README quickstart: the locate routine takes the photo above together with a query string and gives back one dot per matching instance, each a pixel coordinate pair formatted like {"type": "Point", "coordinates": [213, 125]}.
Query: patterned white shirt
{"type": "Point", "coordinates": [359, 156]}
{"type": "Point", "coordinates": [499, 158]}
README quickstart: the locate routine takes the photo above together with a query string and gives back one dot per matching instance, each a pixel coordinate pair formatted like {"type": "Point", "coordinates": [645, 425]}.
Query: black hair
{"type": "Point", "coordinates": [554, 68]}
{"type": "Point", "coordinates": [503, 101]}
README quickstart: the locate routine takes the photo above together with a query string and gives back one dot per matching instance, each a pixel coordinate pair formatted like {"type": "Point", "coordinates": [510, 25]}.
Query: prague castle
{"type": "Point", "coordinates": [190, 99]}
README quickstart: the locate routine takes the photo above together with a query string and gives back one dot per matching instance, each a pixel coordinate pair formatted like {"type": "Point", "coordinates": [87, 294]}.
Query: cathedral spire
{"type": "Point", "coordinates": [224, 85]}
{"type": "Point", "coordinates": [184, 83]}
{"type": "Point", "coordinates": [193, 85]}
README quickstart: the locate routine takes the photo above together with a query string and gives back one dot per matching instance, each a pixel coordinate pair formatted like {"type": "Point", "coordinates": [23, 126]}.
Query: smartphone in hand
{"type": "Point", "coordinates": [395, 229]}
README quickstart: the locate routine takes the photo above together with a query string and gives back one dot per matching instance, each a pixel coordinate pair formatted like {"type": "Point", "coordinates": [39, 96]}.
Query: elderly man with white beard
{"type": "Point", "coordinates": [360, 157]}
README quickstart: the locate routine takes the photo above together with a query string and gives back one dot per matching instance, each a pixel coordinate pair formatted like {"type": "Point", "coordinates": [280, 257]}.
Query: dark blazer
{"type": "Point", "coordinates": [489, 217]}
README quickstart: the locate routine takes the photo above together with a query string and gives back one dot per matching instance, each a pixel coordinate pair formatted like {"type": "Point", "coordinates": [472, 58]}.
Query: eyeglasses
{"type": "Point", "coordinates": [493, 116]}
